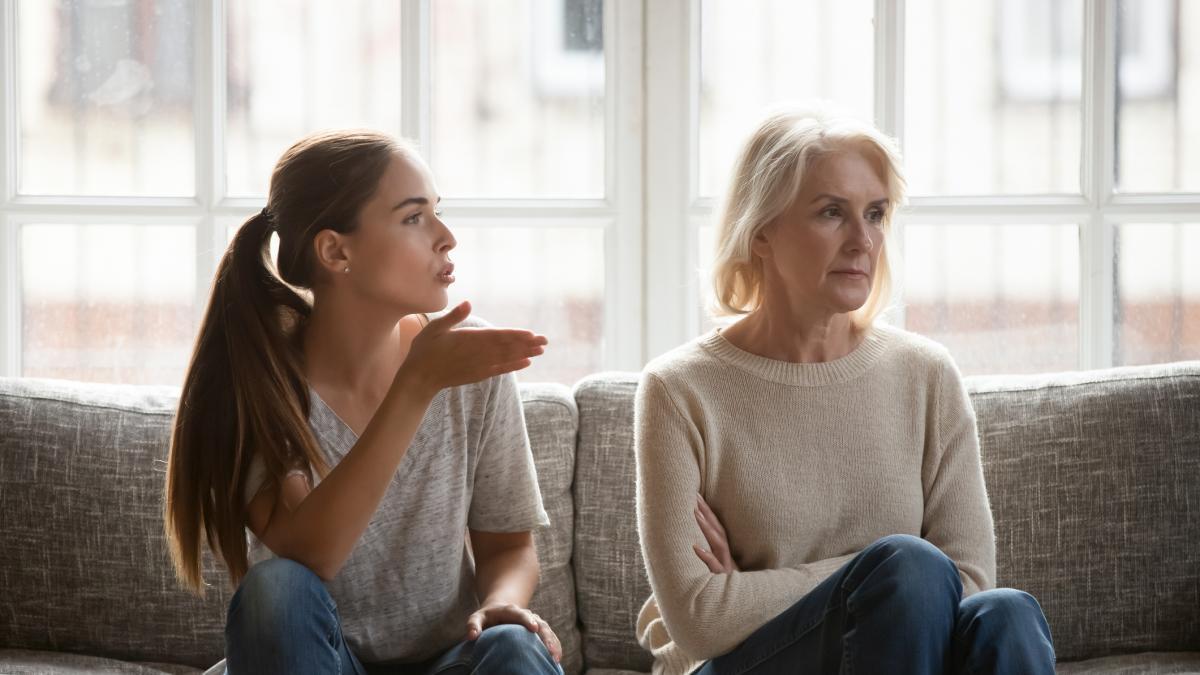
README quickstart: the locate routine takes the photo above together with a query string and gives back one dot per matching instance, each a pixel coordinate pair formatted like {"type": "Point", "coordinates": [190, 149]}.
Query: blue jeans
{"type": "Point", "coordinates": [283, 620]}
{"type": "Point", "coordinates": [897, 607]}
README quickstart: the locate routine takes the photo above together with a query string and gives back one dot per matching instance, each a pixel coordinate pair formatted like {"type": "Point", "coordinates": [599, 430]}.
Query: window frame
{"type": "Point", "coordinates": [651, 204]}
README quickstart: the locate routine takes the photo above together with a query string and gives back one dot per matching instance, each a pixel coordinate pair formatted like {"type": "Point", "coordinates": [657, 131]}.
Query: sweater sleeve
{"type": "Point", "coordinates": [704, 614]}
{"type": "Point", "coordinates": [957, 518]}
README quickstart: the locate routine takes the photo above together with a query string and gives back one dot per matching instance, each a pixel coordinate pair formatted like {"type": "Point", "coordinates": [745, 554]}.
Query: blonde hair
{"type": "Point", "coordinates": [766, 181]}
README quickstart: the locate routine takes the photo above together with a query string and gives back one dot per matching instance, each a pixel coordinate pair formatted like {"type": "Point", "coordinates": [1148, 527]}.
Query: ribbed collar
{"type": "Point", "coordinates": [803, 374]}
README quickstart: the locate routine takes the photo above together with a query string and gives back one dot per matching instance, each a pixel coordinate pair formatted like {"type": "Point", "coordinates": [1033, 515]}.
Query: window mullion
{"type": "Point", "coordinates": [1097, 266]}
{"type": "Point", "coordinates": [208, 122]}
{"type": "Point", "coordinates": [10, 294]}
{"type": "Point", "coordinates": [671, 86]}
{"type": "Point", "coordinates": [416, 62]}
{"type": "Point", "coordinates": [889, 100]}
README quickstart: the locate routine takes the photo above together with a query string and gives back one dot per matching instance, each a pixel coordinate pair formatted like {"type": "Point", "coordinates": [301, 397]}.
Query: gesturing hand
{"type": "Point", "coordinates": [442, 356]}
{"type": "Point", "coordinates": [717, 557]}
{"type": "Point", "coordinates": [498, 614]}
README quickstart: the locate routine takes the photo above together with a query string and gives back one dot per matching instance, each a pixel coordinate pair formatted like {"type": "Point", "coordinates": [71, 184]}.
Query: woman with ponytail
{"type": "Point", "coordinates": [337, 449]}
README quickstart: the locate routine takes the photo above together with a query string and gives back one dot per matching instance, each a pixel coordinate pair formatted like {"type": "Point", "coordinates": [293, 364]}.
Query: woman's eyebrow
{"type": "Point", "coordinates": [414, 200]}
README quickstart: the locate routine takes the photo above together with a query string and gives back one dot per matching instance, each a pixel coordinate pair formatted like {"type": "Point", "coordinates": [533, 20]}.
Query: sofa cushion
{"type": "Point", "coordinates": [609, 572]}
{"type": "Point", "coordinates": [84, 565]}
{"type": "Point", "coordinates": [1159, 663]}
{"type": "Point", "coordinates": [22, 662]}
{"type": "Point", "coordinates": [1094, 479]}
{"type": "Point", "coordinates": [552, 421]}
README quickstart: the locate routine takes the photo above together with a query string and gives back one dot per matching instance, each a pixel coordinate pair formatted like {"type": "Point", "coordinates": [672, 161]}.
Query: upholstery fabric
{"type": "Point", "coordinates": [1094, 480]}
{"type": "Point", "coordinates": [1135, 664]}
{"type": "Point", "coordinates": [609, 572]}
{"type": "Point", "coordinates": [25, 662]}
{"type": "Point", "coordinates": [84, 564]}
{"type": "Point", "coordinates": [552, 419]}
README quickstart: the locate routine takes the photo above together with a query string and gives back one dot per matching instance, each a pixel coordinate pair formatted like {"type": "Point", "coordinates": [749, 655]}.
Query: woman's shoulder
{"type": "Point", "coordinates": [684, 361]}
{"type": "Point", "coordinates": [914, 350]}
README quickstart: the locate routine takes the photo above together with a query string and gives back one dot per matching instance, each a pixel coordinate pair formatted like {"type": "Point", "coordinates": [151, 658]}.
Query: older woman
{"type": "Point", "coordinates": [810, 493]}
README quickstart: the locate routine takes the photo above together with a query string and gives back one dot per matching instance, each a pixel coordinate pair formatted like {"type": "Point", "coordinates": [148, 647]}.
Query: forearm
{"type": "Point", "coordinates": [322, 529]}
{"type": "Point", "coordinates": [506, 576]}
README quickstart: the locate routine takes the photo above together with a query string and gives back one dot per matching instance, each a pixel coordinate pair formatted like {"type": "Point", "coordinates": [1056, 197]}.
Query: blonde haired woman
{"type": "Point", "coordinates": [810, 493]}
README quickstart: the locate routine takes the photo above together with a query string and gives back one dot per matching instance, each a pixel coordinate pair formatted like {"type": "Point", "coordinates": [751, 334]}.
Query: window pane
{"type": "Point", "coordinates": [992, 96]}
{"type": "Point", "coordinates": [108, 303]}
{"type": "Point", "coordinates": [549, 280]}
{"type": "Point", "coordinates": [105, 92]}
{"type": "Point", "coordinates": [302, 66]}
{"type": "Point", "coordinates": [758, 54]}
{"type": "Point", "coordinates": [1003, 299]}
{"type": "Point", "coordinates": [1158, 293]}
{"type": "Point", "coordinates": [1158, 96]}
{"type": "Point", "coordinates": [518, 98]}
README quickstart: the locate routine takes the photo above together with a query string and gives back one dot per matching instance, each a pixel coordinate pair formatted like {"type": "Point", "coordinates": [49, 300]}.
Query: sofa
{"type": "Point", "coordinates": [1094, 480]}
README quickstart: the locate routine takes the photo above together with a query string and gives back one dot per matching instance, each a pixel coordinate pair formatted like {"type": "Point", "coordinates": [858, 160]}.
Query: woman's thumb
{"type": "Point", "coordinates": [450, 319]}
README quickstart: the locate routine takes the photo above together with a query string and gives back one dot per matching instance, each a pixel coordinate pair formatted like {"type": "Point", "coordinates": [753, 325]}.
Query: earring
{"type": "Point", "coordinates": [347, 270]}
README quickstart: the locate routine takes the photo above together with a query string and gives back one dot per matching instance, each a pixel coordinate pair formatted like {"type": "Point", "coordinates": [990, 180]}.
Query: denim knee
{"type": "Point", "coordinates": [273, 595]}
{"type": "Point", "coordinates": [512, 648]}
{"type": "Point", "coordinates": [915, 566]}
{"type": "Point", "coordinates": [507, 639]}
{"type": "Point", "coordinates": [998, 609]}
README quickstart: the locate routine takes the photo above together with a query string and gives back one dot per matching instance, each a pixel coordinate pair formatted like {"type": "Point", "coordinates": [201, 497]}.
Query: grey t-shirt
{"type": "Point", "coordinates": [408, 587]}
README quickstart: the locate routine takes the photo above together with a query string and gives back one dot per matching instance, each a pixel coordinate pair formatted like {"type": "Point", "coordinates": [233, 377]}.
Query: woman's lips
{"type": "Point", "coordinates": [446, 276]}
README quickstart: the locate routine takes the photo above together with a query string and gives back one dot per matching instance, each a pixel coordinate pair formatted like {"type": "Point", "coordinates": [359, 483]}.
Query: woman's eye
{"type": "Point", "coordinates": [438, 213]}
{"type": "Point", "coordinates": [831, 212]}
{"type": "Point", "coordinates": [875, 216]}
{"type": "Point", "coordinates": [413, 219]}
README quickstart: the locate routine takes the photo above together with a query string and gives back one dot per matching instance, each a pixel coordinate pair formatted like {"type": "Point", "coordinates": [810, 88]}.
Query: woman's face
{"type": "Point", "coordinates": [821, 253]}
{"type": "Point", "coordinates": [400, 252]}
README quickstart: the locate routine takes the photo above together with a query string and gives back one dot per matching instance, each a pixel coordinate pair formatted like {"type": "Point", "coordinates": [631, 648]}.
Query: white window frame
{"type": "Point", "coordinates": [619, 213]}
{"type": "Point", "coordinates": [675, 210]}
{"type": "Point", "coordinates": [652, 209]}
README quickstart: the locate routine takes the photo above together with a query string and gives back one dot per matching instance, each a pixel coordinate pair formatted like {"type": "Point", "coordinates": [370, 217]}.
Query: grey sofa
{"type": "Point", "coordinates": [1094, 480]}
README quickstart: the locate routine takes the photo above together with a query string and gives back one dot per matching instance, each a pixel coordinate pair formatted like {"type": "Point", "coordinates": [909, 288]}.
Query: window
{"type": "Point", "coordinates": [582, 146]}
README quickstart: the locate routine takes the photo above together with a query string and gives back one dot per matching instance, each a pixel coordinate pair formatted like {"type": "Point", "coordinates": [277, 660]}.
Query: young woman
{"type": "Point", "coordinates": [810, 491]}
{"type": "Point", "coordinates": [360, 443]}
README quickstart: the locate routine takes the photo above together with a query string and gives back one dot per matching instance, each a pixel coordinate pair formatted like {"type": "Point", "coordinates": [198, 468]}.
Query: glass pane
{"type": "Point", "coordinates": [549, 280]}
{"type": "Point", "coordinates": [302, 66]}
{"type": "Point", "coordinates": [992, 96]}
{"type": "Point", "coordinates": [1158, 96]}
{"type": "Point", "coordinates": [1001, 298]}
{"type": "Point", "coordinates": [518, 98]}
{"type": "Point", "coordinates": [108, 303]}
{"type": "Point", "coordinates": [757, 54]}
{"type": "Point", "coordinates": [1158, 293]}
{"type": "Point", "coordinates": [105, 92]}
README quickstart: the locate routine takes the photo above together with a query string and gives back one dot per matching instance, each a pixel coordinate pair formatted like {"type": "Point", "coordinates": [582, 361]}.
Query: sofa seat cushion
{"type": "Point", "coordinates": [24, 661]}
{"type": "Point", "coordinates": [1135, 664]}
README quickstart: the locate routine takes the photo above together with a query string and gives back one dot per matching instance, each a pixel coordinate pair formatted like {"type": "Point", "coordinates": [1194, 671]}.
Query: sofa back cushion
{"type": "Point", "coordinates": [609, 573]}
{"type": "Point", "coordinates": [1094, 480]}
{"type": "Point", "coordinates": [84, 565]}
{"type": "Point", "coordinates": [552, 421]}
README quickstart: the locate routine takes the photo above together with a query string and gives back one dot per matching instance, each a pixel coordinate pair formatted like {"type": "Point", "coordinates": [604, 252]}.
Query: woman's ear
{"type": "Point", "coordinates": [329, 249]}
{"type": "Point", "coordinates": [760, 245]}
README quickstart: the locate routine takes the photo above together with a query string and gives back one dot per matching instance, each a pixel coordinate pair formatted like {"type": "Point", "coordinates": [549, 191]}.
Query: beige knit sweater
{"type": "Point", "coordinates": [805, 465]}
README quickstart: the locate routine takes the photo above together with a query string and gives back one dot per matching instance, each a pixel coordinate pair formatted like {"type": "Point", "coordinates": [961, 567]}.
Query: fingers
{"type": "Point", "coordinates": [708, 559]}
{"type": "Point", "coordinates": [714, 537]}
{"type": "Point", "coordinates": [709, 515]}
{"type": "Point", "coordinates": [550, 640]}
{"type": "Point", "coordinates": [450, 319]}
{"type": "Point", "coordinates": [475, 626]}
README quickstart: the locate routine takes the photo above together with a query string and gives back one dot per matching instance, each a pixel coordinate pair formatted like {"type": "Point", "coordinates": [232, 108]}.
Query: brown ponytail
{"type": "Point", "coordinates": [245, 393]}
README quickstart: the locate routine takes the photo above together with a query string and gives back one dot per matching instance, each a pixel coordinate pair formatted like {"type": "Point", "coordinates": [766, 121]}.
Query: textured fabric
{"type": "Point", "coordinates": [1095, 485]}
{"type": "Point", "coordinates": [553, 423]}
{"type": "Point", "coordinates": [408, 586]}
{"type": "Point", "coordinates": [25, 662]}
{"type": "Point", "coordinates": [805, 465]}
{"type": "Point", "coordinates": [1136, 664]}
{"type": "Point", "coordinates": [610, 576]}
{"type": "Point", "coordinates": [83, 563]}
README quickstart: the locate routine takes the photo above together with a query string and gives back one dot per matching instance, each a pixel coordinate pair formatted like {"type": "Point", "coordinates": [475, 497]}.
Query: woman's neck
{"type": "Point", "coordinates": [784, 336]}
{"type": "Point", "coordinates": [350, 348]}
